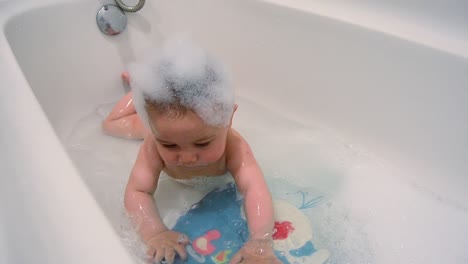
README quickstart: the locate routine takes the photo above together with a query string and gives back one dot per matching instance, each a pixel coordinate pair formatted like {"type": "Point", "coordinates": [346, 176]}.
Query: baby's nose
{"type": "Point", "coordinates": [187, 157]}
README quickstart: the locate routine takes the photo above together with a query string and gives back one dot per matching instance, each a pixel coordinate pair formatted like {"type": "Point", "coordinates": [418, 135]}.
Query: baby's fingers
{"type": "Point", "coordinates": [180, 249]}
{"type": "Point", "coordinates": [169, 255]}
{"type": "Point", "coordinates": [160, 253]}
{"type": "Point", "coordinates": [150, 254]}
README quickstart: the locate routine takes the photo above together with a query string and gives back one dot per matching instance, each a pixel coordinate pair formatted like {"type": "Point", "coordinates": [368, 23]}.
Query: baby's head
{"type": "Point", "coordinates": [181, 78]}
{"type": "Point", "coordinates": [184, 97]}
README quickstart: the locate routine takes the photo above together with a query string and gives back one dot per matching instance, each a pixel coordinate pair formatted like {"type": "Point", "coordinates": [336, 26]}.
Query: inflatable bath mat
{"type": "Point", "coordinates": [217, 229]}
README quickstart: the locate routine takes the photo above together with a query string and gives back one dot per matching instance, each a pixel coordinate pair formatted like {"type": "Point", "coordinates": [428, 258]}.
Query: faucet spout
{"type": "Point", "coordinates": [127, 8]}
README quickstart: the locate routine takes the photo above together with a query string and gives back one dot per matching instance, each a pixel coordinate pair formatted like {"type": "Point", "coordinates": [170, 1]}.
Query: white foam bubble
{"type": "Point", "coordinates": [181, 72]}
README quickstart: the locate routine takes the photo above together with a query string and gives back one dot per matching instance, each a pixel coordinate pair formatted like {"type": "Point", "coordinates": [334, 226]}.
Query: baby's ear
{"type": "Point", "coordinates": [235, 109]}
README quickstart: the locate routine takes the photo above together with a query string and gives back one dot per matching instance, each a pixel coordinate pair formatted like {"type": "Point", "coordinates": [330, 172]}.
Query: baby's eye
{"type": "Point", "coordinates": [169, 146]}
{"type": "Point", "coordinates": [201, 145]}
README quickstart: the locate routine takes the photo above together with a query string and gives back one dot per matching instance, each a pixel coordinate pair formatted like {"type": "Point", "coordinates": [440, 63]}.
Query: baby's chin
{"type": "Point", "coordinates": [194, 166]}
{"type": "Point", "coordinates": [188, 166]}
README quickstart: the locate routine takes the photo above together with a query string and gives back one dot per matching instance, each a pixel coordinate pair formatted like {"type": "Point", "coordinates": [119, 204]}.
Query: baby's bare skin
{"type": "Point", "coordinates": [123, 120]}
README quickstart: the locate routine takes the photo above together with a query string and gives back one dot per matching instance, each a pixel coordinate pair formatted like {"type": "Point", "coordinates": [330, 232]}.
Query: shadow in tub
{"type": "Point", "coordinates": [217, 228]}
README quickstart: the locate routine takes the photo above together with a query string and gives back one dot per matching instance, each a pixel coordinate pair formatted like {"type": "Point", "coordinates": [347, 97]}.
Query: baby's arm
{"type": "Point", "coordinates": [139, 202]}
{"type": "Point", "coordinates": [258, 204]}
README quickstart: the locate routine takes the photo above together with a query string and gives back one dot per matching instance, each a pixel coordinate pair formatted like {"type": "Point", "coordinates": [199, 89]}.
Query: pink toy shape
{"type": "Point", "coordinates": [203, 245]}
{"type": "Point", "coordinates": [282, 230]}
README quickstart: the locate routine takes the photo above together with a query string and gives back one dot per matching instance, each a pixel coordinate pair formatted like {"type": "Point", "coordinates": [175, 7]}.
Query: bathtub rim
{"type": "Point", "coordinates": [93, 234]}
{"type": "Point", "coordinates": [418, 30]}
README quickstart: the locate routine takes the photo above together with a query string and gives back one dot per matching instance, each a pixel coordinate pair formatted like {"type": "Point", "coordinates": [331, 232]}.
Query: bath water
{"type": "Point", "coordinates": [366, 211]}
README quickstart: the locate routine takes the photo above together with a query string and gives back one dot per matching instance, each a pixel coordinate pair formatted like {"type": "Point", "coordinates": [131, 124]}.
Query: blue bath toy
{"type": "Point", "coordinates": [217, 229]}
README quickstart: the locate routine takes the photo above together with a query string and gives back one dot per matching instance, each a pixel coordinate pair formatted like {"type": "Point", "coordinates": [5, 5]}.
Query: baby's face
{"type": "Point", "coordinates": [186, 141]}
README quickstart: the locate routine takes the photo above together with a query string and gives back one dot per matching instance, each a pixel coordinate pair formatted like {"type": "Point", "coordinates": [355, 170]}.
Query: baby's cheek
{"type": "Point", "coordinates": [168, 156]}
{"type": "Point", "coordinates": [214, 154]}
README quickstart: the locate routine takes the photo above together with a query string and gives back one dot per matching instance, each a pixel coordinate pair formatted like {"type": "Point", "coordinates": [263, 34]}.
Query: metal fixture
{"type": "Point", "coordinates": [111, 20]}
{"type": "Point", "coordinates": [127, 8]}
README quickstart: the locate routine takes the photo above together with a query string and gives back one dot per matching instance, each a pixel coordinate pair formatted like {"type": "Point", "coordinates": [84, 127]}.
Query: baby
{"type": "Point", "coordinates": [185, 107]}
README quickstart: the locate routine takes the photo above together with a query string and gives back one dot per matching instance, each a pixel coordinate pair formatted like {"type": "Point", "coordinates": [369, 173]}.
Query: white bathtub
{"type": "Point", "coordinates": [387, 81]}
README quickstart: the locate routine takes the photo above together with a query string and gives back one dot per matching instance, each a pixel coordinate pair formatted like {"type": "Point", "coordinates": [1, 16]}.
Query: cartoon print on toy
{"type": "Point", "coordinates": [217, 229]}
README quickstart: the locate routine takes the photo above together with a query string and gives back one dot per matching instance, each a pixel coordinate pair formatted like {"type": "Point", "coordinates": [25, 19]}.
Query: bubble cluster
{"type": "Point", "coordinates": [184, 75]}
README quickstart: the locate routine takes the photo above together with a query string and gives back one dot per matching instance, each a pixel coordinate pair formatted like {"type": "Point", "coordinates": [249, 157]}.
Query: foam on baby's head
{"type": "Point", "coordinates": [182, 74]}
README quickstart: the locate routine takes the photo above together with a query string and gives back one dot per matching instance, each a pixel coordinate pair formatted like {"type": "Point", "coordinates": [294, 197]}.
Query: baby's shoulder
{"type": "Point", "coordinates": [234, 137]}
{"type": "Point", "coordinates": [236, 142]}
{"type": "Point", "coordinates": [238, 152]}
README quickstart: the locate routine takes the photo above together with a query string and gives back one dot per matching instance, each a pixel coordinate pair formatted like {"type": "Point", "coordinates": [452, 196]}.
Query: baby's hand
{"type": "Point", "coordinates": [256, 251]}
{"type": "Point", "coordinates": [165, 245]}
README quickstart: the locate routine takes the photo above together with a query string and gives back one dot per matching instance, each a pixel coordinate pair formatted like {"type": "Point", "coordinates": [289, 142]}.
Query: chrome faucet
{"type": "Point", "coordinates": [127, 8]}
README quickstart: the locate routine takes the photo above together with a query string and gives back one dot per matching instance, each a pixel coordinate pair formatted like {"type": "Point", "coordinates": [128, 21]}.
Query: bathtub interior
{"type": "Point", "coordinates": [369, 121]}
